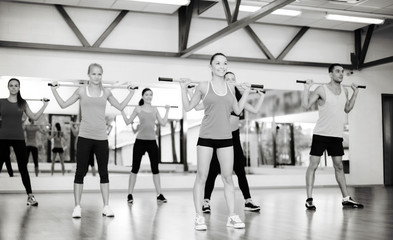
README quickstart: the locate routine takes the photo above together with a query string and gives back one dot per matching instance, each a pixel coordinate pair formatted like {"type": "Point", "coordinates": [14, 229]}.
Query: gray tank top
{"type": "Point", "coordinates": [215, 123]}
{"type": "Point", "coordinates": [147, 124]}
{"type": "Point", "coordinates": [93, 124]}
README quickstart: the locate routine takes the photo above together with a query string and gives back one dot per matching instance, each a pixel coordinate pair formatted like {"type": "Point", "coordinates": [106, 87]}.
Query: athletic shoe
{"type": "Point", "coordinates": [235, 222]}
{"type": "Point", "coordinates": [309, 204]}
{"type": "Point", "coordinates": [351, 203]}
{"type": "Point", "coordinates": [161, 198]}
{"type": "Point", "coordinates": [107, 212]}
{"type": "Point", "coordinates": [250, 206]}
{"type": "Point", "coordinates": [31, 201]}
{"type": "Point", "coordinates": [130, 199]}
{"type": "Point", "coordinates": [77, 213]}
{"type": "Point", "coordinates": [200, 224]}
{"type": "Point", "coordinates": [206, 206]}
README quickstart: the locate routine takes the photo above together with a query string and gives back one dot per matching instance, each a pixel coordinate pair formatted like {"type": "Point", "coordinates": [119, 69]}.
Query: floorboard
{"type": "Point", "coordinates": [282, 216]}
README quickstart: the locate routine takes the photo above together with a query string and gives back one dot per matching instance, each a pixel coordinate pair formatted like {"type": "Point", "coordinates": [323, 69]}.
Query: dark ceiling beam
{"type": "Point", "coordinates": [291, 44]}
{"type": "Point", "coordinates": [227, 11]}
{"type": "Point", "coordinates": [268, 61]}
{"type": "Point", "coordinates": [54, 47]}
{"type": "Point", "coordinates": [236, 11]}
{"type": "Point", "coordinates": [110, 28]}
{"type": "Point", "coordinates": [378, 62]}
{"type": "Point", "coordinates": [259, 42]}
{"type": "Point", "coordinates": [72, 25]}
{"type": "Point", "coordinates": [185, 16]}
{"type": "Point", "coordinates": [366, 43]}
{"type": "Point", "coordinates": [205, 5]}
{"type": "Point", "coordinates": [265, 10]}
{"type": "Point", "coordinates": [248, 29]}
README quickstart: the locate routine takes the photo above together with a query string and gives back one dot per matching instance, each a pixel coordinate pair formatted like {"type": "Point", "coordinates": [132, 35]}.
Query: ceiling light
{"type": "Point", "coordinates": [169, 2]}
{"type": "Point", "coordinates": [344, 18]}
{"type": "Point", "coordinates": [285, 12]}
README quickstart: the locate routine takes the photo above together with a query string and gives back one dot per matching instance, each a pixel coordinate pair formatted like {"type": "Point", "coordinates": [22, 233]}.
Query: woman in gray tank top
{"type": "Point", "coordinates": [215, 133]}
{"type": "Point", "coordinates": [92, 132]}
{"type": "Point", "coordinates": [146, 141]}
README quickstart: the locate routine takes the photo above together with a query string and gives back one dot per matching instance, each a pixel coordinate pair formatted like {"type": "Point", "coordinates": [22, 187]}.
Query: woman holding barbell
{"type": "Point", "coordinates": [92, 132]}
{"type": "Point", "coordinates": [11, 132]}
{"type": "Point", "coordinates": [146, 141]}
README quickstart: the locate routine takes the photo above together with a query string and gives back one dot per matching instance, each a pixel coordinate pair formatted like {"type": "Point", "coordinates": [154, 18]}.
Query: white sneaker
{"type": "Point", "coordinates": [235, 222]}
{"type": "Point", "coordinates": [200, 224]}
{"type": "Point", "coordinates": [107, 211]}
{"type": "Point", "coordinates": [77, 213]}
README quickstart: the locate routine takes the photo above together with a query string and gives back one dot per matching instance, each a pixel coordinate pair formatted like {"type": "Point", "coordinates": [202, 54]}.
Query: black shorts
{"type": "Point", "coordinates": [333, 145]}
{"type": "Point", "coordinates": [57, 150]}
{"type": "Point", "coordinates": [215, 143]}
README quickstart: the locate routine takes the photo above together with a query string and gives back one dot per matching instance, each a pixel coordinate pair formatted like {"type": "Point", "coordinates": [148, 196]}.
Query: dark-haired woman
{"type": "Point", "coordinates": [215, 135]}
{"type": "Point", "coordinates": [11, 132]}
{"type": "Point", "coordinates": [57, 137]}
{"type": "Point", "coordinates": [146, 141]}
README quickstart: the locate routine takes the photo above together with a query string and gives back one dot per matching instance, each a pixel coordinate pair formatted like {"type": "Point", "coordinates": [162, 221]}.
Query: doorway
{"type": "Point", "coordinates": [387, 128]}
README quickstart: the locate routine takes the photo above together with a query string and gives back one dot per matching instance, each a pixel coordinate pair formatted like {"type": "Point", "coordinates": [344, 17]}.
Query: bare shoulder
{"type": "Point", "coordinates": [202, 86]}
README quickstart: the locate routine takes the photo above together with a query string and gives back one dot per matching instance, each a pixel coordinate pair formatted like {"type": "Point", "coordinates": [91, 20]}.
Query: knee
{"type": "Point", "coordinates": [79, 178]}
{"type": "Point", "coordinates": [201, 178]}
{"type": "Point", "coordinates": [227, 179]}
{"type": "Point", "coordinates": [338, 166]}
{"type": "Point", "coordinates": [135, 170]}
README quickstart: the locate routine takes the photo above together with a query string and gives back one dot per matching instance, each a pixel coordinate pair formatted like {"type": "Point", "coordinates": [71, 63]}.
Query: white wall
{"type": "Point", "coordinates": [17, 22]}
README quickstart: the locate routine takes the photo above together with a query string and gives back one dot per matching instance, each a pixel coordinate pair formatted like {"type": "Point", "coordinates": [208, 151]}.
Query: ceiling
{"type": "Point", "coordinates": [313, 11]}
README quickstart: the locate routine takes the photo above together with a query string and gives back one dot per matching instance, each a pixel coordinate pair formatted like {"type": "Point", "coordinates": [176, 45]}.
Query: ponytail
{"type": "Point", "coordinates": [141, 102]}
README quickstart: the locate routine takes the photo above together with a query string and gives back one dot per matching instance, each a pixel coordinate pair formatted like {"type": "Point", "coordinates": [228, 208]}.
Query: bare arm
{"type": "Point", "coordinates": [196, 98]}
{"type": "Point", "coordinates": [37, 115]}
{"type": "Point", "coordinates": [132, 117]}
{"type": "Point", "coordinates": [351, 102]}
{"type": "Point", "coordinates": [164, 120]}
{"type": "Point", "coordinates": [120, 106]}
{"type": "Point", "coordinates": [257, 107]}
{"type": "Point", "coordinates": [239, 106]}
{"type": "Point", "coordinates": [308, 99]}
{"type": "Point", "coordinates": [63, 104]}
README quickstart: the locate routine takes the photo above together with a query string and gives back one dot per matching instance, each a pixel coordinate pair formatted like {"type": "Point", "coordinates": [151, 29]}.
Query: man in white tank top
{"type": "Point", "coordinates": [333, 105]}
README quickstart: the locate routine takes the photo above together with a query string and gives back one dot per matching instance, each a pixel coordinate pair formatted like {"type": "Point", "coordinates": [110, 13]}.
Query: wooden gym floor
{"type": "Point", "coordinates": [282, 216]}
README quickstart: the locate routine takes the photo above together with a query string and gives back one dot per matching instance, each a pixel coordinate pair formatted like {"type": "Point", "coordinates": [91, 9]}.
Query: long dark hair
{"type": "Point", "coordinates": [20, 101]}
{"type": "Point", "coordinates": [141, 102]}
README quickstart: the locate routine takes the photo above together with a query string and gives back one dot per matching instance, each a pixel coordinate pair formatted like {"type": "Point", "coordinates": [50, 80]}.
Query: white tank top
{"type": "Point", "coordinates": [331, 114]}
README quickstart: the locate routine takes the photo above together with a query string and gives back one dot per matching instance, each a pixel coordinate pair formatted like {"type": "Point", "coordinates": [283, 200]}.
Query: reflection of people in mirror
{"type": "Point", "coordinates": [31, 142]}
{"type": "Point", "coordinates": [334, 103]}
{"type": "Point", "coordinates": [57, 138]}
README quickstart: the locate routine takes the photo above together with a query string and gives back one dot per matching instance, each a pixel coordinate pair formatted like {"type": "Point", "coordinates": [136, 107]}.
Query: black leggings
{"type": "Point", "coordinates": [86, 147]}
{"type": "Point", "coordinates": [7, 161]}
{"type": "Point", "coordinates": [19, 147]}
{"type": "Point", "coordinates": [238, 166]}
{"type": "Point", "coordinates": [34, 152]}
{"type": "Point", "coordinates": [140, 147]}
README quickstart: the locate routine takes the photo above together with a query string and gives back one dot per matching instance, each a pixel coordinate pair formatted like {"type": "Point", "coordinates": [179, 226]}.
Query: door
{"type": "Point", "coordinates": [387, 125]}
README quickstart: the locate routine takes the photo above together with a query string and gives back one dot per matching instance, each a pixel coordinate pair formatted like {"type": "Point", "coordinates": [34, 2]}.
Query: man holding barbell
{"type": "Point", "coordinates": [333, 105]}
